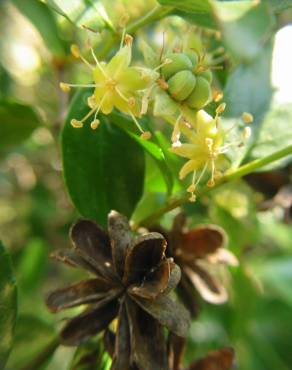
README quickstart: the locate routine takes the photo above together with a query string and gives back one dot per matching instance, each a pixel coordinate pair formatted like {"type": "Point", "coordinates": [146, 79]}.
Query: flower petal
{"type": "Point", "coordinates": [220, 359]}
{"type": "Point", "coordinates": [146, 254]}
{"type": "Point", "coordinates": [201, 241]}
{"type": "Point", "coordinates": [132, 79]}
{"type": "Point", "coordinates": [120, 236]}
{"type": "Point", "coordinates": [144, 333]}
{"type": "Point", "coordinates": [119, 62]}
{"type": "Point", "coordinates": [169, 313]}
{"type": "Point", "coordinates": [93, 245]}
{"type": "Point", "coordinates": [190, 166]}
{"type": "Point", "coordinates": [71, 258]}
{"type": "Point", "coordinates": [209, 288]}
{"type": "Point", "coordinates": [186, 150]}
{"type": "Point", "coordinates": [121, 358]}
{"type": "Point", "coordinates": [86, 291]}
{"type": "Point", "coordinates": [89, 323]}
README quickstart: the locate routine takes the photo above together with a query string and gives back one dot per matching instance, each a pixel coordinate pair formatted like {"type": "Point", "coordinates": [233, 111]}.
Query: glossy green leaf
{"type": "Point", "coordinates": [90, 13]}
{"type": "Point", "coordinates": [245, 27]}
{"type": "Point", "coordinates": [17, 122]}
{"type": "Point", "coordinates": [32, 336]}
{"type": "Point", "coordinates": [43, 19]}
{"type": "Point", "coordinates": [103, 168]}
{"type": "Point", "coordinates": [151, 147]}
{"type": "Point", "coordinates": [275, 134]}
{"type": "Point", "coordinates": [8, 305]}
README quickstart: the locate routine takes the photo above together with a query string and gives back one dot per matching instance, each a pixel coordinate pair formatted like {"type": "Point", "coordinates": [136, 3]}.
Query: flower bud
{"type": "Point", "coordinates": [181, 85]}
{"type": "Point", "coordinates": [201, 94]}
{"type": "Point", "coordinates": [207, 75]}
{"type": "Point", "coordinates": [179, 62]}
{"type": "Point", "coordinates": [193, 56]}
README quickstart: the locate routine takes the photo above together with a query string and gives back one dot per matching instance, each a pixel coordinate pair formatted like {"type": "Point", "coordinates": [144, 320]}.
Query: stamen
{"type": "Point", "coordinates": [220, 109]}
{"type": "Point", "coordinates": [176, 130]}
{"type": "Point", "coordinates": [138, 125]}
{"type": "Point", "coordinates": [128, 40]}
{"type": "Point", "coordinates": [76, 53]}
{"type": "Point", "coordinates": [88, 115]}
{"type": "Point", "coordinates": [167, 61]}
{"type": "Point", "coordinates": [211, 182]}
{"type": "Point", "coordinates": [65, 86]}
{"type": "Point", "coordinates": [121, 94]}
{"type": "Point", "coordinates": [123, 37]}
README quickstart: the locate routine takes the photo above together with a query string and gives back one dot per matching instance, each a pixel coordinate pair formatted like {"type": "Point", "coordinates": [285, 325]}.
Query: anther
{"type": "Point", "coordinates": [64, 87]}
{"type": "Point", "coordinates": [210, 183]}
{"type": "Point", "coordinates": [94, 124]}
{"type": "Point", "coordinates": [221, 108]}
{"type": "Point", "coordinates": [75, 50]}
{"type": "Point", "coordinates": [146, 135]}
{"type": "Point", "coordinates": [193, 198]}
{"type": "Point", "coordinates": [247, 117]}
{"type": "Point", "coordinates": [128, 40]}
{"type": "Point", "coordinates": [75, 123]}
{"type": "Point", "coordinates": [132, 101]}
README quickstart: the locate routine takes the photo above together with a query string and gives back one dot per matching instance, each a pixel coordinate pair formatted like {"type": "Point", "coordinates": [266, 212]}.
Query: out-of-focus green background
{"type": "Point", "coordinates": [35, 210]}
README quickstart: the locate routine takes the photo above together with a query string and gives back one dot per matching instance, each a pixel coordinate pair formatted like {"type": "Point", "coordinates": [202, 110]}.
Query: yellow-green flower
{"type": "Point", "coordinates": [206, 143]}
{"type": "Point", "coordinates": [116, 85]}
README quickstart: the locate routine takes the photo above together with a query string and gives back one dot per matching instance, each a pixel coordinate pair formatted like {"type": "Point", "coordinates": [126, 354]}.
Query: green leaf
{"type": "Point", "coordinates": [43, 20]}
{"type": "Point", "coordinates": [90, 356]}
{"type": "Point", "coordinates": [152, 147]}
{"type": "Point", "coordinates": [90, 13]}
{"type": "Point", "coordinates": [190, 6]}
{"type": "Point", "coordinates": [275, 134]}
{"type": "Point", "coordinates": [248, 89]}
{"type": "Point", "coordinates": [245, 27]}
{"type": "Point", "coordinates": [32, 336]}
{"type": "Point", "coordinates": [8, 305]}
{"type": "Point", "coordinates": [103, 168]}
{"type": "Point", "coordinates": [17, 122]}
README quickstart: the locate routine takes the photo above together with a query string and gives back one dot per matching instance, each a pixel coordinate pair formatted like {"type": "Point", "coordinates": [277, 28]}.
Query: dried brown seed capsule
{"type": "Point", "coordinates": [181, 85]}
{"type": "Point", "coordinates": [179, 62]}
{"type": "Point", "coordinates": [201, 94]}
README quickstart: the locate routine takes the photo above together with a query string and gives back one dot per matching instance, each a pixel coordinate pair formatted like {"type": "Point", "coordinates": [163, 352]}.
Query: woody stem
{"type": "Point", "coordinates": [229, 176]}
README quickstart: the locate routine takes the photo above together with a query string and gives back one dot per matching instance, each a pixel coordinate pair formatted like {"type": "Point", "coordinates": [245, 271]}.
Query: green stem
{"type": "Point", "coordinates": [229, 176]}
{"type": "Point", "coordinates": [43, 357]}
{"type": "Point", "coordinates": [153, 15]}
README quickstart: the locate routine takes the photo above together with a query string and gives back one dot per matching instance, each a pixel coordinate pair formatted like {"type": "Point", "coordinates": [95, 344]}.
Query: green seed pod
{"type": "Point", "coordinates": [200, 95]}
{"type": "Point", "coordinates": [179, 62]}
{"type": "Point", "coordinates": [207, 75]}
{"type": "Point", "coordinates": [181, 85]}
{"type": "Point", "coordinates": [193, 56]}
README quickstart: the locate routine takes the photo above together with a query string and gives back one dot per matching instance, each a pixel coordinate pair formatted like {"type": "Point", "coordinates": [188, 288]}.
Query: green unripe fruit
{"type": "Point", "coordinates": [200, 95]}
{"type": "Point", "coordinates": [181, 85]}
{"type": "Point", "coordinates": [207, 75]}
{"type": "Point", "coordinates": [193, 56]}
{"type": "Point", "coordinates": [179, 62]}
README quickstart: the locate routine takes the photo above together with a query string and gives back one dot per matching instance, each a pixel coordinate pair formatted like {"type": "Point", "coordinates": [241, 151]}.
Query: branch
{"type": "Point", "coordinates": [229, 176]}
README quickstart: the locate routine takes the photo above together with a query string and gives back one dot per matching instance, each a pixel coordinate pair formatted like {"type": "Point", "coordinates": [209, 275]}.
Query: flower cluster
{"type": "Point", "coordinates": [178, 83]}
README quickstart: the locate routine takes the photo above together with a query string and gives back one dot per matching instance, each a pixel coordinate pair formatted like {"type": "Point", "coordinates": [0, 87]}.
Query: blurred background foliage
{"type": "Point", "coordinates": [36, 212]}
